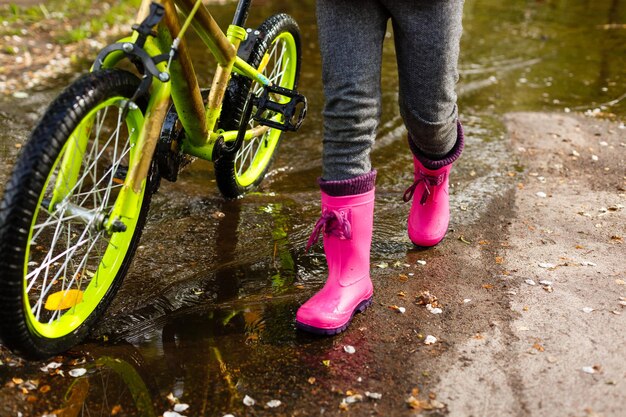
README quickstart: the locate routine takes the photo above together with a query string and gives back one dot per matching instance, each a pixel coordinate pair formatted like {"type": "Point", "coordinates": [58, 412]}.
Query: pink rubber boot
{"type": "Point", "coordinates": [347, 223]}
{"type": "Point", "coordinates": [430, 211]}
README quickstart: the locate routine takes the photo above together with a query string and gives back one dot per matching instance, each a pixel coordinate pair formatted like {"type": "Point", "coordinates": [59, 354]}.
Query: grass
{"type": "Point", "coordinates": [88, 17]}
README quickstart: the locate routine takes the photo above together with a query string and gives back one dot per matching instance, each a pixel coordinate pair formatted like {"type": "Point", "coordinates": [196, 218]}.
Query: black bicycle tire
{"type": "Point", "coordinates": [20, 200]}
{"type": "Point", "coordinates": [235, 100]}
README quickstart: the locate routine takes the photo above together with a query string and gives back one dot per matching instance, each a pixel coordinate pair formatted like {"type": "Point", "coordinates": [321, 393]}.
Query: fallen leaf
{"type": "Point", "coordinates": [499, 260]}
{"type": "Point", "coordinates": [401, 310]}
{"type": "Point", "coordinates": [487, 286]}
{"type": "Point", "coordinates": [620, 282]}
{"type": "Point", "coordinates": [311, 380]}
{"type": "Point", "coordinates": [326, 362]}
{"type": "Point", "coordinates": [116, 410]}
{"type": "Point", "coordinates": [383, 265]}
{"type": "Point", "coordinates": [538, 347]}
{"type": "Point", "coordinates": [425, 297]}
{"type": "Point", "coordinates": [462, 239]}
{"type": "Point", "coordinates": [172, 400]}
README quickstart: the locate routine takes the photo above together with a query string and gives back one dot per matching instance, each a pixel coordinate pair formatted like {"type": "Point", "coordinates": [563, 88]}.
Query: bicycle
{"type": "Point", "coordinates": [76, 203]}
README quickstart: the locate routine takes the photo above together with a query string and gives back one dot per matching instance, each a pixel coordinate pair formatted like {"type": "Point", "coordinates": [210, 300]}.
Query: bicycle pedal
{"type": "Point", "coordinates": [273, 99]}
{"type": "Point", "coordinates": [119, 176]}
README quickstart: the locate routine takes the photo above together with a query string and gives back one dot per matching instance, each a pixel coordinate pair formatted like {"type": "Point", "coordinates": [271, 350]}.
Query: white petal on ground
{"type": "Point", "coordinates": [273, 403]}
{"type": "Point", "coordinates": [588, 263]}
{"type": "Point", "coordinates": [373, 395]}
{"type": "Point", "coordinates": [467, 300]}
{"type": "Point", "coordinates": [587, 309]}
{"type": "Point", "coordinates": [430, 339]}
{"type": "Point", "coordinates": [349, 349]}
{"type": "Point", "coordinates": [51, 365]}
{"type": "Point", "coordinates": [249, 401]}
{"type": "Point", "coordinates": [179, 408]}
{"type": "Point", "coordinates": [434, 310]}
{"type": "Point", "coordinates": [588, 370]}
{"type": "Point", "coordinates": [421, 262]}
{"type": "Point", "coordinates": [541, 194]}
{"type": "Point", "coordinates": [529, 282]}
{"type": "Point", "coordinates": [546, 265]}
{"type": "Point", "coordinates": [402, 310]}
{"type": "Point", "coordinates": [352, 399]}
{"type": "Point", "coordinates": [545, 282]}
{"type": "Point", "coordinates": [172, 414]}
{"type": "Point", "coordinates": [76, 372]}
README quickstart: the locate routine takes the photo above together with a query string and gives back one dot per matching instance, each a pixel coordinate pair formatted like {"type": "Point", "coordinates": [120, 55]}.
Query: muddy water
{"type": "Point", "coordinates": [207, 310]}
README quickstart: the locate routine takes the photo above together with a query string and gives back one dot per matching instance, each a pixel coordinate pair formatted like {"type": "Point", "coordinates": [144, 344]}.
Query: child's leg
{"type": "Point", "coordinates": [351, 35]}
{"type": "Point", "coordinates": [427, 35]}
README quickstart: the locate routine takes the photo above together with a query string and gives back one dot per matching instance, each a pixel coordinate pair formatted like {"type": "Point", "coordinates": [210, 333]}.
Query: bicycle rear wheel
{"type": "Point", "coordinates": [276, 54]}
{"type": "Point", "coordinates": [60, 264]}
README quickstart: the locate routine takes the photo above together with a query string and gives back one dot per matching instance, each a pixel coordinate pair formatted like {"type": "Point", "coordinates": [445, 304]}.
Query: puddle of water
{"type": "Point", "coordinates": [207, 310]}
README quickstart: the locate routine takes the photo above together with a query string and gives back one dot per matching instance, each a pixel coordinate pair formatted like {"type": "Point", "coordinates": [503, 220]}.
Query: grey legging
{"type": "Point", "coordinates": [351, 34]}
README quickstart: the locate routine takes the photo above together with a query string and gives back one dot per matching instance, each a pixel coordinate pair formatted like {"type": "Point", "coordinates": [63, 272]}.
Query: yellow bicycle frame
{"type": "Point", "coordinates": [198, 120]}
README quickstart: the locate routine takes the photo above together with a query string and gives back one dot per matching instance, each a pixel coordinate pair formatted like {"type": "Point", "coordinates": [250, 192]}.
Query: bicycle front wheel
{"type": "Point", "coordinates": [277, 55]}
{"type": "Point", "coordinates": [60, 261]}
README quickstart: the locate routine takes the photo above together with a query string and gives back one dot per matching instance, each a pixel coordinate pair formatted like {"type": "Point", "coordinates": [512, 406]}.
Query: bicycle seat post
{"type": "Point", "coordinates": [241, 14]}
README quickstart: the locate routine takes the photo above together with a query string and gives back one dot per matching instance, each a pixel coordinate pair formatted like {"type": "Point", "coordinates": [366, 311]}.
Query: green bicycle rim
{"type": "Point", "coordinates": [114, 254]}
{"type": "Point", "coordinates": [268, 142]}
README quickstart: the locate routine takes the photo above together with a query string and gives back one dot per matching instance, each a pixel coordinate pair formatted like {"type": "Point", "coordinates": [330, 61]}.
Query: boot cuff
{"type": "Point", "coordinates": [453, 155]}
{"type": "Point", "coordinates": [353, 186]}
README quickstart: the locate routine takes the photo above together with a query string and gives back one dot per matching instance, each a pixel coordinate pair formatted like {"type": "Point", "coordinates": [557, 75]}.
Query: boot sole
{"type": "Point", "coordinates": [363, 305]}
{"type": "Point", "coordinates": [427, 243]}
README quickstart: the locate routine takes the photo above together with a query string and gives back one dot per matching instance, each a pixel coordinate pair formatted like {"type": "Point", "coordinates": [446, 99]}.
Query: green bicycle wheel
{"type": "Point", "coordinates": [60, 264]}
{"type": "Point", "coordinates": [277, 55]}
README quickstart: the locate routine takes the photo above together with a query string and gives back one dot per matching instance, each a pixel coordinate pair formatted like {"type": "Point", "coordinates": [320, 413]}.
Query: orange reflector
{"type": "Point", "coordinates": [63, 300]}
